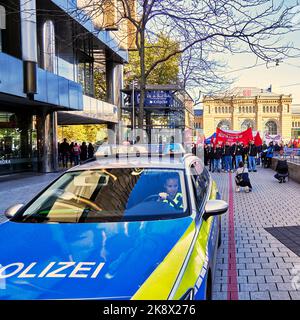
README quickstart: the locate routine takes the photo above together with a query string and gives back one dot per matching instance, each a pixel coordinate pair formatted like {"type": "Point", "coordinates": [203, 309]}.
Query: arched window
{"type": "Point", "coordinates": [224, 124]}
{"type": "Point", "coordinates": [271, 127]}
{"type": "Point", "coordinates": [240, 109]}
{"type": "Point", "coordinates": [49, 59]}
{"type": "Point", "coordinates": [216, 110]}
{"type": "Point", "coordinates": [223, 110]}
{"type": "Point", "coordinates": [264, 109]}
{"type": "Point", "coordinates": [247, 124]}
{"type": "Point", "coordinates": [267, 109]}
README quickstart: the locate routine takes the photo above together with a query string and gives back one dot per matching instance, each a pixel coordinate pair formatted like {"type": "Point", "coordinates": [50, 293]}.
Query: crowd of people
{"type": "Point", "coordinates": [243, 159]}
{"type": "Point", "coordinates": [226, 157]}
{"type": "Point", "coordinates": [74, 153]}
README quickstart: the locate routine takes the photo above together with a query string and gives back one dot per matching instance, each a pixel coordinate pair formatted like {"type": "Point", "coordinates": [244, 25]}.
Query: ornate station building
{"type": "Point", "coordinates": [262, 110]}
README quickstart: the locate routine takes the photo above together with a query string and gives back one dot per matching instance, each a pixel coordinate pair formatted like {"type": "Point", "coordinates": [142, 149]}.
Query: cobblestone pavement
{"type": "Point", "coordinates": [22, 189]}
{"type": "Point", "coordinates": [263, 268]}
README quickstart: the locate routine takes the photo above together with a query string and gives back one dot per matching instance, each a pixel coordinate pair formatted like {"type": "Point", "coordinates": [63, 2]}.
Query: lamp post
{"type": "Point", "coordinates": [134, 82]}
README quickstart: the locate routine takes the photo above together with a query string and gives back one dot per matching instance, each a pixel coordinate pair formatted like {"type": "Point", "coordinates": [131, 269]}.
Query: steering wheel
{"type": "Point", "coordinates": [152, 197]}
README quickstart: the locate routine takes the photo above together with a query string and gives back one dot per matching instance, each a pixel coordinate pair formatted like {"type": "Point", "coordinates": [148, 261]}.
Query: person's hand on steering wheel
{"type": "Point", "coordinates": [163, 195]}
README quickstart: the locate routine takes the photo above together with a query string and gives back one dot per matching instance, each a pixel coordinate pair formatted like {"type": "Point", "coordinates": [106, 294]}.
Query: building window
{"type": "Point", "coordinates": [49, 58]}
{"type": "Point", "coordinates": [247, 124]}
{"type": "Point", "coordinates": [224, 124]}
{"type": "Point", "coordinates": [264, 109]}
{"type": "Point", "coordinates": [216, 110]}
{"type": "Point", "coordinates": [271, 127]}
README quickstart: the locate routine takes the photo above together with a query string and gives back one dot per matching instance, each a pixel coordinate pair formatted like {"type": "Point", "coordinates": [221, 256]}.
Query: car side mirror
{"type": "Point", "coordinates": [12, 210]}
{"type": "Point", "coordinates": [214, 208]}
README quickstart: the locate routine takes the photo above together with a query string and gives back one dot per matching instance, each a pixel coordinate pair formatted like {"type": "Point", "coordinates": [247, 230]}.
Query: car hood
{"type": "Point", "coordinates": [84, 260]}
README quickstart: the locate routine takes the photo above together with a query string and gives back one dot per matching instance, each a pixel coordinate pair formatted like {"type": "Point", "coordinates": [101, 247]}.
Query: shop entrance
{"type": "Point", "coordinates": [18, 142]}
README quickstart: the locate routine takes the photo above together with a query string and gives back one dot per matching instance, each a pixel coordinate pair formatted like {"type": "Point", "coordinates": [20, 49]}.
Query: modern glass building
{"type": "Point", "coordinates": [50, 52]}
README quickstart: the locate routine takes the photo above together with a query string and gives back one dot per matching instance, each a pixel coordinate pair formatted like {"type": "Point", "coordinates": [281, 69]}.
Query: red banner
{"type": "Point", "coordinates": [231, 137]}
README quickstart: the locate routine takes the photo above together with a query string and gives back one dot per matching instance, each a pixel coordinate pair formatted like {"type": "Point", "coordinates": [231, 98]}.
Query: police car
{"type": "Point", "coordinates": [120, 227]}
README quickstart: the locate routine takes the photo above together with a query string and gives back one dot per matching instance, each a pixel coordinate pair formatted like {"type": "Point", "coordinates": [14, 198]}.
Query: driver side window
{"type": "Point", "coordinates": [200, 182]}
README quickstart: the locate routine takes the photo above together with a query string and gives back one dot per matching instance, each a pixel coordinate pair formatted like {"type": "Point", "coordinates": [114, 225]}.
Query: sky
{"type": "Point", "coordinates": [284, 78]}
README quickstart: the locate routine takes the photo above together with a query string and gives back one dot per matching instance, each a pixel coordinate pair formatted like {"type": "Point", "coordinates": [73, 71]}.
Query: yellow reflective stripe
{"type": "Point", "coordinates": [214, 190]}
{"type": "Point", "coordinates": [160, 283]}
{"type": "Point", "coordinates": [194, 266]}
{"type": "Point", "coordinates": [197, 258]}
{"type": "Point", "coordinates": [175, 200]}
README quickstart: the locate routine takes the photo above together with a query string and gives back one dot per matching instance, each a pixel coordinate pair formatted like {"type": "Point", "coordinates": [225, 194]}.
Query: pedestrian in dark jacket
{"type": "Point", "coordinates": [242, 178]}
{"type": "Point", "coordinates": [64, 151]}
{"type": "Point", "coordinates": [217, 154]}
{"type": "Point", "coordinates": [238, 152]}
{"type": "Point", "coordinates": [227, 153]}
{"type": "Point", "coordinates": [252, 154]}
{"type": "Point", "coordinates": [84, 152]}
{"type": "Point", "coordinates": [90, 151]}
{"type": "Point", "coordinates": [282, 170]}
{"type": "Point", "coordinates": [206, 155]}
{"type": "Point", "coordinates": [211, 156]}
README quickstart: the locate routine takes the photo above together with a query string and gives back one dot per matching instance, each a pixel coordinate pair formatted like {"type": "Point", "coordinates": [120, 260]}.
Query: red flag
{"type": "Point", "coordinates": [257, 139]}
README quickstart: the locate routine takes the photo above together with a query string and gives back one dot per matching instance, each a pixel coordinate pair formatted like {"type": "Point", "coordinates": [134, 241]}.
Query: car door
{"type": "Point", "coordinates": [196, 272]}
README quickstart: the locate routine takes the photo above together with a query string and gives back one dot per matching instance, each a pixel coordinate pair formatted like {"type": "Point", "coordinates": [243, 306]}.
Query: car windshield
{"type": "Point", "coordinates": [107, 195]}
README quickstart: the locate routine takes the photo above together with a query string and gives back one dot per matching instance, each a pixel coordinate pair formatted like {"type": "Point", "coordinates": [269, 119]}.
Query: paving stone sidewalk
{"type": "Point", "coordinates": [266, 268]}
{"type": "Point", "coordinates": [22, 189]}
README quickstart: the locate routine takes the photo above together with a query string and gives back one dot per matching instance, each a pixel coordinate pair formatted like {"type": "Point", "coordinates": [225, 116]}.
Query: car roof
{"type": "Point", "coordinates": [137, 162]}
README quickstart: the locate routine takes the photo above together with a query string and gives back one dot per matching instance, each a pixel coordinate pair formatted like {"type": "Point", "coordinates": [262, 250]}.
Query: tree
{"type": "Point", "coordinates": [206, 27]}
{"type": "Point", "coordinates": [80, 133]}
{"type": "Point", "coordinates": [165, 73]}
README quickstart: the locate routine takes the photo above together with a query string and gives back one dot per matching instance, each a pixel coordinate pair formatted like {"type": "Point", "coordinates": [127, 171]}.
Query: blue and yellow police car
{"type": "Point", "coordinates": [120, 227]}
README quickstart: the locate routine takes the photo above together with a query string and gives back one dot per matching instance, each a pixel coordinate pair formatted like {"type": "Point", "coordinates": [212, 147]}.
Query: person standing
{"type": "Point", "coordinates": [76, 153]}
{"type": "Point", "coordinates": [206, 156]}
{"type": "Point", "coordinates": [227, 156]}
{"type": "Point", "coordinates": [64, 150]}
{"type": "Point", "coordinates": [217, 154]}
{"type": "Point", "coordinates": [211, 156]}
{"type": "Point", "coordinates": [252, 154]}
{"type": "Point", "coordinates": [91, 150]}
{"type": "Point", "coordinates": [269, 154]}
{"type": "Point", "coordinates": [84, 151]}
{"type": "Point", "coordinates": [71, 155]}
{"type": "Point", "coordinates": [238, 153]}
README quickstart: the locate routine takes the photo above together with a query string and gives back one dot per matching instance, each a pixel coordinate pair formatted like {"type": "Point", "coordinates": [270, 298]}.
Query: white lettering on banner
{"type": "Point", "coordinates": [52, 270]}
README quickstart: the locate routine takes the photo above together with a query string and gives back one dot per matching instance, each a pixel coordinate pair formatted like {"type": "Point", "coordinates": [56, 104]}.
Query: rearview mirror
{"type": "Point", "coordinates": [214, 208]}
{"type": "Point", "coordinates": [11, 211]}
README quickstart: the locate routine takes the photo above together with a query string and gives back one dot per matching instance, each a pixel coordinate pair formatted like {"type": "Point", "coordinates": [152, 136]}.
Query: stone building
{"type": "Point", "coordinates": [241, 108]}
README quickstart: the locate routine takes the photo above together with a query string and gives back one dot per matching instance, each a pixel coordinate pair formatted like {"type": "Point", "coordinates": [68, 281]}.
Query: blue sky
{"type": "Point", "coordinates": [285, 78]}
